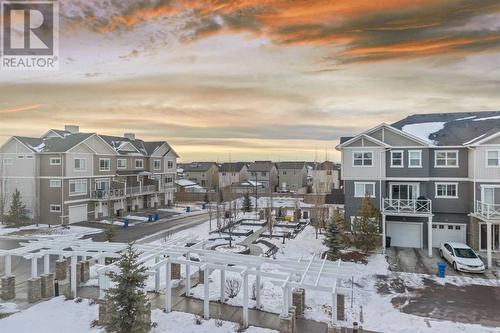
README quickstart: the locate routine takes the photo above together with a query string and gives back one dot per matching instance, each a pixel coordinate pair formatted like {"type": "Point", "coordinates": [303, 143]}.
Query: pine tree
{"type": "Point", "coordinates": [365, 235]}
{"type": "Point", "coordinates": [333, 237]}
{"type": "Point", "coordinates": [17, 212]}
{"type": "Point", "coordinates": [127, 300]}
{"type": "Point", "coordinates": [247, 204]}
{"type": "Point", "coordinates": [109, 233]}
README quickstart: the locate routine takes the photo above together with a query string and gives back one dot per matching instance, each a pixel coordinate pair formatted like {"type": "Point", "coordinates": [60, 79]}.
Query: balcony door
{"type": "Point", "coordinates": [488, 195]}
{"type": "Point", "coordinates": [404, 191]}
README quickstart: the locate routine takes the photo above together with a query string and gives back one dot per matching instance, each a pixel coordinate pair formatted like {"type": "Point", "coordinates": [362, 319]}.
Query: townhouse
{"type": "Point", "coordinates": [68, 176]}
{"type": "Point", "coordinates": [232, 173]}
{"type": "Point", "coordinates": [434, 178]}
{"type": "Point", "coordinates": [323, 177]}
{"type": "Point", "coordinates": [265, 173]}
{"type": "Point", "coordinates": [205, 174]}
{"type": "Point", "coordinates": [292, 176]}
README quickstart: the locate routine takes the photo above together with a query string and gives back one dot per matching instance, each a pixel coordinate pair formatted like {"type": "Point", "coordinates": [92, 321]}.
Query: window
{"type": "Point", "coordinates": [20, 157]}
{"type": "Point", "coordinates": [55, 161]}
{"type": "Point", "coordinates": [78, 187]}
{"type": "Point", "coordinates": [80, 164]}
{"type": "Point", "coordinates": [29, 157]}
{"type": "Point", "coordinates": [104, 164]}
{"type": "Point", "coordinates": [157, 164]}
{"type": "Point", "coordinates": [414, 158]}
{"type": "Point", "coordinates": [362, 189]}
{"type": "Point", "coordinates": [284, 173]}
{"type": "Point", "coordinates": [55, 208]}
{"type": "Point", "coordinates": [168, 180]}
{"type": "Point", "coordinates": [493, 158]}
{"type": "Point", "coordinates": [446, 159]}
{"type": "Point", "coordinates": [121, 163]}
{"type": "Point", "coordinates": [55, 183]}
{"type": "Point", "coordinates": [7, 161]}
{"type": "Point", "coordinates": [404, 191]}
{"type": "Point", "coordinates": [139, 164]}
{"type": "Point", "coordinates": [362, 158]}
{"type": "Point", "coordinates": [223, 174]}
{"type": "Point", "coordinates": [263, 174]}
{"type": "Point", "coordinates": [396, 159]}
{"type": "Point", "coordinates": [446, 190]}
{"type": "Point", "coordinates": [170, 164]}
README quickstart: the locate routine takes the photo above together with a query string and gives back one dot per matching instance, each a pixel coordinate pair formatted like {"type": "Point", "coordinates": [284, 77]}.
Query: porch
{"type": "Point", "coordinates": [485, 227]}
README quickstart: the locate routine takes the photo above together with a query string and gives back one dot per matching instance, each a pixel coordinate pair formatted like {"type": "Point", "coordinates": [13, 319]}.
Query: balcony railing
{"type": "Point", "coordinates": [107, 194]}
{"type": "Point", "coordinates": [134, 190]}
{"type": "Point", "coordinates": [487, 210]}
{"type": "Point", "coordinates": [407, 206]}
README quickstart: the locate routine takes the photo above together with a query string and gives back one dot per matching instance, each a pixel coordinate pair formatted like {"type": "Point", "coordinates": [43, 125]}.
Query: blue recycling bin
{"type": "Point", "coordinates": [441, 269]}
{"type": "Point", "coordinates": [188, 209]}
{"type": "Point", "coordinates": [125, 223]}
{"type": "Point", "coordinates": [203, 206]}
{"type": "Point", "coordinates": [157, 217]}
{"type": "Point", "coordinates": [150, 218]}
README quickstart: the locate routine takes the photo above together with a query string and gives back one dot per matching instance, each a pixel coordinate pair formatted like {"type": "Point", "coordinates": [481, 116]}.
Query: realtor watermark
{"type": "Point", "coordinates": [29, 35]}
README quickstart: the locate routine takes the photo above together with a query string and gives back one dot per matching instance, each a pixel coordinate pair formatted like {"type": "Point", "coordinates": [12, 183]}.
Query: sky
{"type": "Point", "coordinates": [248, 79]}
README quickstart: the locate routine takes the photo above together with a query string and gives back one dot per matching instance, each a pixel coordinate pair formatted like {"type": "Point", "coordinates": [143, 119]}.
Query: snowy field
{"type": "Point", "coordinates": [58, 315]}
{"type": "Point", "coordinates": [44, 231]}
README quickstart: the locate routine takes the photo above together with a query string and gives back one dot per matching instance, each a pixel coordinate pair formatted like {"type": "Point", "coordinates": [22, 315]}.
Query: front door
{"type": "Point", "coordinates": [495, 237]}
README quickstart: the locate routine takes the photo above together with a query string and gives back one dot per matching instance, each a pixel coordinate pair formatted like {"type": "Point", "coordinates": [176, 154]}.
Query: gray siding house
{"type": "Point", "coordinates": [205, 174]}
{"type": "Point", "coordinates": [232, 173]}
{"type": "Point", "coordinates": [265, 173]}
{"type": "Point", "coordinates": [292, 176]}
{"type": "Point", "coordinates": [68, 176]}
{"type": "Point", "coordinates": [434, 178]}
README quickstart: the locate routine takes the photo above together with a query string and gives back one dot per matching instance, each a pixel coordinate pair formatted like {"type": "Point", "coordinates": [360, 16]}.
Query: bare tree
{"type": "Point", "coordinates": [3, 191]}
{"type": "Point", "coordinates": [210, 208]}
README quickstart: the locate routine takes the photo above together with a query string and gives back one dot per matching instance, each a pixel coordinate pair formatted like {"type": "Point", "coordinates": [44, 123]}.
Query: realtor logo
{"type": "Point", "coordinates": [29, 35]}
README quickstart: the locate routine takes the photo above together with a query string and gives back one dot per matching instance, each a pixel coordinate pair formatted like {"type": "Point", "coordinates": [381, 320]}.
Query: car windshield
{"type": "Point", "coordinates": [465, 253]}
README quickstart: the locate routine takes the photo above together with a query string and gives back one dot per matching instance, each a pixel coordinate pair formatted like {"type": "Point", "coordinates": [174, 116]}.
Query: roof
{"type": "Point", "coordinates": [196, 166]}
{"type": "Point", "coordinates": [291, 165]}
{"type": "Point", "coordinates": [54, 144]}
{"type": "Point", "coordinates": [450, 129]}
{"type": "Point", "coordinates": [261, 166]}
{"type": "Point", "coordinates": [326, 165]}
{"type": "Point", "coordinates": [232, 167]}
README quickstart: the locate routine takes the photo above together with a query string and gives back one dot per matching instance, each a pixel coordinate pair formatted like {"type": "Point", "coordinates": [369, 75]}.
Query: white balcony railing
{"type": "Point", "coordinates": [141, 189]}
{"type": "Point", "coordinates": [487, 210]}
{"type": "Point", "coordinates": [108, 194]}
{"type": "Point", "coordinates": [407, 206]}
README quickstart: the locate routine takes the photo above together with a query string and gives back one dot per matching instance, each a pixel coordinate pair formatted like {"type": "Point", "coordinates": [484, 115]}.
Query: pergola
{"type": "Point", "coordinates": [301, 273]}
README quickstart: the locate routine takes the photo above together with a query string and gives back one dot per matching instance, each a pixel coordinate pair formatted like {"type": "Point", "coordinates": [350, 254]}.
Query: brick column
{"type": "Point", "coordinates": [176, 271]}
{"type": "Point", "coordinates": [474, 233]}
{"type": "Point", "coordinates": [340, 307]}
{"type": "Point", "coordinates": [286, 324]}
{"type": "Point", "coordinates": [61, 269]}
{"type": "Point", "coordinates": [34, 290]}
{"type": "Point", "coordinates": [201, 276]}
{"type": "Point", "coordinates": [103, 312]}
{"type": "Point", "coordinates": [78, 273]}
{"type": "Point", "coordinates": [8, 287]}
{"type": "Point", "coordinates": [85, 271]}
{"type": "Point", "coordinates": [65, 288]}
{"type": "Point", "coordinates": [299, 301]}
{"type": "Point", "coordinates": [293, 314]}
{"type": "Point", "coordinates": [47, 285]}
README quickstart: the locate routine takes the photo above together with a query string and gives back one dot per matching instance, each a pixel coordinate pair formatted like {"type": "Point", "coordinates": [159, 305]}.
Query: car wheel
{"type": "Point", "coordinates": [455, 266]}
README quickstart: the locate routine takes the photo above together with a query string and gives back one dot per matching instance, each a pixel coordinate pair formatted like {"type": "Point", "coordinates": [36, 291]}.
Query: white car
{"type": "Point", "coordinates": [461, 257]}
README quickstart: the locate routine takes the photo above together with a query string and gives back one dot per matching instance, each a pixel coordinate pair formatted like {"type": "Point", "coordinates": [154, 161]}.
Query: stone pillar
{"type": "Point", "coordinates": [65, 288]}
{"type": "Point", "coordinates": [474, 233]}
{"type": "Point", "coordinates": [299, 302]}
{"type": "Point", "coordinates": [8, 287]}
{"type": "Point", "coordinates": [78, 273]}
{"type": "Point", "coordinates": [85, 275]}
{"type": "Point", "coordinates": [176, 271]}
{"type": "Point", "coordinates": [103, 312]}
{"type": "Point", "coordinates": [293, 314]}
{"type": "Point", "coordinates": [340, 307]}
{"type": "Point", "coordinates": [286, 324]}
{"type": "Point", "coordinates": [47, 285]}
{"type": "Point", "coordinates": [201, 276]}
{"type": "Point", "coordinates": [34, 290]}
{"type": "Point", "coordinates": [61, 269]}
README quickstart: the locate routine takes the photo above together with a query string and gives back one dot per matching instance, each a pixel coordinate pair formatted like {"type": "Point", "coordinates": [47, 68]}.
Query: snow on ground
{"type": "Point", "coordinates": [58, 315]}
{"type": "Point", "coordinates": [8, 308]}
{"type": "Point", "coordinates": [44, 231]}
{"type": "Point", "coordinates": [137, 218]}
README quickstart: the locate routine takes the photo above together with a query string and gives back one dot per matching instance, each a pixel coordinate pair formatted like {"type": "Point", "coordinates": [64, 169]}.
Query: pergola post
{"type": "Point", "coordinates": [101, 278]}
{"type": "Point", "coordinates": [8, 265]}
{"type": "Point", "coordinates": [34, 267]}
{"type": "Point", "coordinates": [222, 285]}
{"type": "Point", "coordinates": [429, 236]}
{"type": "Point", "coordinates": [46, 264]}
{"type": "Point", "coordinates": [334, 306]}
{"type": "Point", "coordinates": [157, 275]}
{"type": "Point", "coordinates": [284, 310]}
{"type": "Point", "coordinates": [101, 260]}
{"type": "Point", "coordinates": [245, 299]}
{"type": "Point", "coordinates": [188, 275]}
{"type": "Point", "coordinates": [168, 287]}
{"type": "Point", "coordinates": [206, 300]}
{"type": "Point", "coordinates": [383, 234]}
{"type": "Point", "coordinates": [73, 276]}
{"type": "Point", "coordinates": [257, 289]}
{"type": "Point", "coordinates": [489, 226]}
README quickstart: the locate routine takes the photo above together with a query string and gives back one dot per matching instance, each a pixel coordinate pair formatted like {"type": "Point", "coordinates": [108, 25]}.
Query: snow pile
{"type": "Point", "coordinates": [138, 218]}
{"type": "Point", "coordinates": [44, 231]}
{"type": "Point", "coordinates": [424, 130]}
{"type": "Point", "coordinates": [8, 308]}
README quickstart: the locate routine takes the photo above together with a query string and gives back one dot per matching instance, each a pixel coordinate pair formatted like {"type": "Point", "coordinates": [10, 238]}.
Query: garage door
{"type": "Point", "coordinates": [448, 232]}
{"type": "Point", "coordinates": [77, 213]}
{"type": "Point", "coordinates": [405, 234]}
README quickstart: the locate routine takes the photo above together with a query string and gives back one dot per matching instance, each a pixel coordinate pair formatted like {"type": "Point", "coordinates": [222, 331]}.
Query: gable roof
{"type": "Point", "coordinates": [54, 144]}
{"type": "Point", "coordinates": [196, 166]}
{"type": "Point", "coordinates": [291, 165]}
{"type": "Point", "coordinates": [232, 167]}
{"type": "Point", "coordinates": [261, 166]}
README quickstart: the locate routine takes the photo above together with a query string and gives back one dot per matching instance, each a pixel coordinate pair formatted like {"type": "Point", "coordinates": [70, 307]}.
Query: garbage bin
{"type": "Point", "coordinates": [203, 206]}
{"type": "Point", "coordinates": [441, 269]}
{"type": "Point", "coordinates": [188, 209]}
{"type": "Point", "coordinates": [125, 223]}
{"type": "Point", "coordinates": [387, 241]}
{"type": "Point", "coordinates": [150, 218]}
{"type": "Point", "coordinates": [157, 217]}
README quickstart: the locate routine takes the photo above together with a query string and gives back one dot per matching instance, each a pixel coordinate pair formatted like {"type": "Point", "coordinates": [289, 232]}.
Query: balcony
{"type": "Point", "coordinates": [108, 194]}
{"type": "Point", "coordinates": [138, 190]}
{"type": "Point", "coordinates": [487, 210]}
{"type": "Point", "coordinates": [407, 206]}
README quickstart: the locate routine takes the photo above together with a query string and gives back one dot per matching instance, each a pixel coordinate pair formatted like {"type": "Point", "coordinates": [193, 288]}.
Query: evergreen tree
{"type": "Point", "coordinates": [365, 235]}
{"type": "Point", "coordinates": [17, 212]}
{"type": "Point", "coordinates": [333, 237]}
{"type": "Point", "coordinates": [127, 300]}
{"type": "Point", "coordinates": [110, 232]}
{"type": "Point", "coordinates": [247, 204]}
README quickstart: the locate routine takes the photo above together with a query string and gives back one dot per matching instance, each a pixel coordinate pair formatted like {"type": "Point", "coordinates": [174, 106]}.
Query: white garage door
{"type": "Point", "coordinates": [77, 213]}
{"type": "Point", "coordinates": [405, 234]}
{"type": "Point", "coordinates": [448, 232]}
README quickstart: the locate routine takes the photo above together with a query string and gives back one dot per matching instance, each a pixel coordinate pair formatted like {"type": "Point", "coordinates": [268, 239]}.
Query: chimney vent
{"type": "Point", "coordinates": [130, 136]}
{"type": "Point", "coordinates": [72, 129]}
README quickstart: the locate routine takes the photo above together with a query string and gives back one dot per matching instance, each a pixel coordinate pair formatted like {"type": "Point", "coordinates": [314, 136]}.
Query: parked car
{"type": "Point", "coordinates": [461, 257]}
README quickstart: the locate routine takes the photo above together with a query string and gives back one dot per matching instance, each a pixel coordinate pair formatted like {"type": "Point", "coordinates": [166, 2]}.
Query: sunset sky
{"type": "Point", "coordinates": [250, 79]}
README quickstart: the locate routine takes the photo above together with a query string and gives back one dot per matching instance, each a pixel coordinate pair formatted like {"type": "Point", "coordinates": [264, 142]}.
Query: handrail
{"type": "Point", "coordinates": [413, 206]}
{"type": "Point", "coordinates": [488, 210]}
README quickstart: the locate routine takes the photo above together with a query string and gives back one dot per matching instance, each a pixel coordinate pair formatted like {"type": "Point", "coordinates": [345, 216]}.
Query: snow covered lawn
{"type": "Point", "coordinates": [44, 231]}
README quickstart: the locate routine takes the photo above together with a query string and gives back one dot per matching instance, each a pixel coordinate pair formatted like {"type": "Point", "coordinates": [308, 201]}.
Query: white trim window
{"type": "Point", "coordinates": [446, 190]}
{"type": "Point", "coordinates": [55, 208]}
{"type": "Point", "coordinates": [493, 158]}
{"type": "Point", "coordinates": [139, 164]}
{"type": "Point", "coordinates": [8, 161]}
{"type": "Point", "coordinates": [121, 163]}
{"type": "Point", "coordinates": [55, 161]}
{"type": "Point", "coordinates": [80, 164]}
{"type": "Point", "coordinates": [157, 164]}
{"type": "Point", "coordinates": [104, 164]}
{"type": "Point", "coordinates": [362, 158]}
{"type": "Point", "coordinates": [397, 159]}
{"type": "Point", "coordinates": [170, 164]}
{"type": "Point", "coordinates": [77, 187]}
{"type": "Point", "coordinates": [54, 183]}
{"type": "Point", "coordinates": [20, 157]}
{"type": "Point", "coordinates": [446, 158]}
{"type": "Point", "coordinates": [361, 189]}
{"type": "Point", "coordinates": [414, 158]}
{"type": "Point", "coordinates": [29, 157]}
